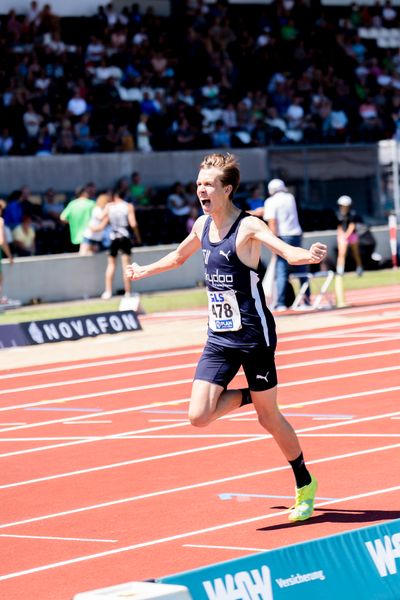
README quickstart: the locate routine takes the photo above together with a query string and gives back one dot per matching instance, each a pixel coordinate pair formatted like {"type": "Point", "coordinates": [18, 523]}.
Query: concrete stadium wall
{"type": "Point", "coordinates": [82, 8]}
{"type": "Point", "coordinates": [66, 173]}
{"type": "Point", "coordinates": [64, 277]}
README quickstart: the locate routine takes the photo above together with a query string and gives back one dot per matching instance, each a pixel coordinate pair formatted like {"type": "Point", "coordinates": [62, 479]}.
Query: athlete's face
{"type": "Point", "coordinates": [210, 191]}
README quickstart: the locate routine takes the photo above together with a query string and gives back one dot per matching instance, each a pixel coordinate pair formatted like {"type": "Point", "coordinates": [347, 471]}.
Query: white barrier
{"type": "Point", "coordinates": [65, 277]}
{"type": "Point", "coordinates": [139, 590]}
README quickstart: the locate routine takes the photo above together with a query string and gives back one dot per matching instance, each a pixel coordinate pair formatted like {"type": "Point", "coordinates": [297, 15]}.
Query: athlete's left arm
{"type": "Point", "coordinates": [259, 231]}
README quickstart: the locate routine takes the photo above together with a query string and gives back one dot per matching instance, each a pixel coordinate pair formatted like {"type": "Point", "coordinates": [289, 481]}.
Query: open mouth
{"type": "Point", "coordinates": [205, 203]}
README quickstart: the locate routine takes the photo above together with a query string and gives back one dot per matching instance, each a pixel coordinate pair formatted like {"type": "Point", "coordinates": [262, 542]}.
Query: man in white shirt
{"type": "Point", "coordinates": [280, 212]}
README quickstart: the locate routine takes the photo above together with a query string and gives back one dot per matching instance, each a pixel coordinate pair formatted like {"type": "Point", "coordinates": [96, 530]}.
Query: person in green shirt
{"type": "Point", "coordinates": [138, 192]}
{"type": "Point", "coordinates": [77, 214]}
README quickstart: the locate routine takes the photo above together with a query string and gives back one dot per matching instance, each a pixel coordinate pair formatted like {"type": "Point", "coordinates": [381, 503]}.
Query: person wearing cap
{"type": "Point", "coordinates": [347, 235]}
{"type": "Point", "coordinates": [280, 212]}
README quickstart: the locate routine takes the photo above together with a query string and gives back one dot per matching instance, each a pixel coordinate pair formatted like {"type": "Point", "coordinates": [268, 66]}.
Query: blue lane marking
{"type": "Point", "coordinates": [228, 496]}
{"type": "Point", "coordinates": [65, 409]}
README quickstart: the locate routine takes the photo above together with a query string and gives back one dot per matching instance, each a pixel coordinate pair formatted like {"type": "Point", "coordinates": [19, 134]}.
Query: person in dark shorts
{"type": "Point", "coordinates": [120, 215]}
{"type": "Point", "coordinates": [241, 329]}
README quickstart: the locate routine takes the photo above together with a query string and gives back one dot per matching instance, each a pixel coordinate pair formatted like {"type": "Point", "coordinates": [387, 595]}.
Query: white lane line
{"type": "Point", "coordinates": [328, 418]}
{"type": "Point", "coordinates": [182, 453]}
{"type": "Point", "coordinates": [97, 378]}
{"type": "Point", "coordinates": [225, 547]}
{"type": "Point", "coordinates": [192, 486]}
{"type": "Point", "coordinates": [353, 435]}
{"type": "Point", "coordinates": [167, 420]}
{"type": "Point", "coordinates": [50, 439]}
{"type": "Point", "coordinates": [187, 534]}
{"type": "Point", "coordinates": [323, 347]}
{"type": "Point", "coordinates": [51, 537]}
{"type": "Point", "coordinates": [196, 350]}
{"type": "Point", "coordinates": [174, 425]}
{"type": "Point", "coordinates": [152, 371]}
{"type": "Point", "coordinates": [340, 331]}
{"type": "Point", "coordinates": [112, 392]}
{"type": "Point", "coordinates": [181, 382]}
{"type": "Point", "coordinates": [101, 363]}
{"type": "Point", "coordinates": [99, 421]}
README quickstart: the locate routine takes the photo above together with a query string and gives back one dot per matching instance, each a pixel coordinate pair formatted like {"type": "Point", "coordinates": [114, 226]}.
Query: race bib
{"type": "Point", "coordinates": [223, 311]}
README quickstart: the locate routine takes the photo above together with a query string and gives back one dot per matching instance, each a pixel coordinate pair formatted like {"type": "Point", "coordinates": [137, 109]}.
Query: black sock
{"type": "Point", "coordinates": [300, 471]}
{"type": "Point", "coordinates": [246, 397]}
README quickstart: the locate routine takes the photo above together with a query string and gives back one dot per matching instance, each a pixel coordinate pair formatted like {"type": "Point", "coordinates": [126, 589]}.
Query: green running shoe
{"type": "Point", "coordinates": [304, 503]}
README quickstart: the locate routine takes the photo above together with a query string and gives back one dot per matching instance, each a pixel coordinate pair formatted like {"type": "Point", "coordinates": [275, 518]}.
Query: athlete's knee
{"type": "Point", "coordinates": [200, 418]}
{"type": "Point", "coordinates": [272, 420]}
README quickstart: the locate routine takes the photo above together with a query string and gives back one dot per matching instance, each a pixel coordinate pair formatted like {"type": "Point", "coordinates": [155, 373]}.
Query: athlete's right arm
{"type": "Point", "coordinates": [174, 259]}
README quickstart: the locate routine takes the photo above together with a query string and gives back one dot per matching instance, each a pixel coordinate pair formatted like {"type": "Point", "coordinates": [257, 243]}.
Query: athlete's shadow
{"type": "Point", "coordinates": [337, 515]}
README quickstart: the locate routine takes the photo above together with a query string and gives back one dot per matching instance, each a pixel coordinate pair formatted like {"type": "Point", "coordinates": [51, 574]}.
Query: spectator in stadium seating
{"type": "Point", "coordinates": [126, 142]}
{"type": "Point", "coordinates": [95, 51]}
{"type": "Point", "coordinates": [6, 142]}
{"type": "Point", "coordinates": [52, 206]}
{"type": "Point", "coordinates": [139, 193]}
{"type": "Point", "coordinates": [214, 67]}
{"type": "Point", "coordinates": [109, 141]}
{"type": "Point", "coordinates": [256, 199]}
{"type": "Point", "coordinates": [178, 206]}
{"type": "Point", "coordinates": [143, 134]}
{"type": "Point", "coordinates": [24, 238]}
{"type": "Point", "coordinates": [221, 137]}
{"type": "Point", "coordinates": [77, 106]}
{"type": "Point", "coordinates": [14, 210]}
{"type": "Point", "coordinates": [83, 134]}
{"type": "Point", "coordinates": [32, 121]}
{"type": "Point", "coordinates": [33, 13]}
{"type": "Point", "coordinates": [389, 15]}
{"type": "Point", "coordinates": [122, 188]}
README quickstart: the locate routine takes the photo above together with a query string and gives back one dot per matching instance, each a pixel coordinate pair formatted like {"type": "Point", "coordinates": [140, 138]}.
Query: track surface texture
{"type": "Point", "coordinates": [105, 481]}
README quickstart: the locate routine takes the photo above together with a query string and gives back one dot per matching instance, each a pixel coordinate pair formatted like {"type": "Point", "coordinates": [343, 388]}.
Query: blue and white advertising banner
{"type": "Point", "coordinates": [12, 336]}
{"type": "Point", "coordinates": [71, 328]}
{"type": "Point", "coordinates": [364, 563]}
{"type": "Point", "coordinates": [75, 328]}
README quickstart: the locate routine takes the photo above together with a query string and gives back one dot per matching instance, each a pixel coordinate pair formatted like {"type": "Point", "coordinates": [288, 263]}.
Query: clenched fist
{"type": "Point", "coordinates": [318, 252]}
{"type": "Point", "coordinates": [133, 271]}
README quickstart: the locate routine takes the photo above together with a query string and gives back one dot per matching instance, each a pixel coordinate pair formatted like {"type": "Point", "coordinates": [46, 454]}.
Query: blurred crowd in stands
{"type": "Point", "coordinates": [37, 224]}
{"type": "Point", "coordinates": [208, 75]}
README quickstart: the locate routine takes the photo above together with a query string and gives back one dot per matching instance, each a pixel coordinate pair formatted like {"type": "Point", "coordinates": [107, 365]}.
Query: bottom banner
{"type": "Point", "coordinates": [364, 563]}
{"type": "Point", "coordinates": [71, 328]}
{"type": "Point", "coordinates": [11, 336]}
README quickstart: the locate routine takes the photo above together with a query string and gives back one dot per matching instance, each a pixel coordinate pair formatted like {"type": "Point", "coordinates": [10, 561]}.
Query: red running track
{"type": "Point", "coordinates": [104, 480]}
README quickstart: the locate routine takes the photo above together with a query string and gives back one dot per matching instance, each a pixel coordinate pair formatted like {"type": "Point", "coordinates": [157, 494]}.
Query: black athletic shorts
{"type": "Point", "coordinates": [124, 244]}
{"type": "Point", "coordinates": [219, 364]}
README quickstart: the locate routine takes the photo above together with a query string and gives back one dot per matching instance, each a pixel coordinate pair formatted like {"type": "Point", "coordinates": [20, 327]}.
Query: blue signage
{"type": "Point", "coordinates": [364, 563]}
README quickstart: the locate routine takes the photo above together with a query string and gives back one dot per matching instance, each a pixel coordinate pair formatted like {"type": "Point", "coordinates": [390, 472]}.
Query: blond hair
{"type": "Point", "coordinates": [103, 199]}
{"type": "Point", "coordinates": [228, 164]}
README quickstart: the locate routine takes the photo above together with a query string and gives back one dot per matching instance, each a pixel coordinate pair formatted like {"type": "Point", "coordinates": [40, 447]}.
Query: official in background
{"type": "Point", "coordinates": [280, 212]}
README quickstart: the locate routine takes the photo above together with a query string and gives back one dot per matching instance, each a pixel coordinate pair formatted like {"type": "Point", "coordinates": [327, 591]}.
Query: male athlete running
{"type": "Point", "coordinates": [241, 329]}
